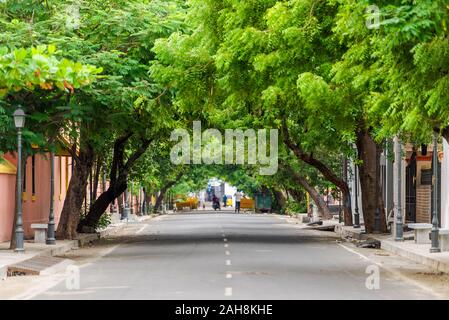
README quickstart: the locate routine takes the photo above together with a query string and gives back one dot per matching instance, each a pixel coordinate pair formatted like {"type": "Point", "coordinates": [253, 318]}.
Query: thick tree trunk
{"type": "Point", "coordinates": [280, 198]}
{"type": "Point", "coordinates": [164, 190]}
{"type": "Point", "coordinates": [120, 204]}
{"type": "Point", "coordinates": [96, 180]}
{"type": "Point", "coordinates": [159, 200]}
{"type": "Point", "coordinates": [370, 181]}
{"type": "Point", "coordinates": [297, 195]}
{"type": "Point", "coordinates": [71, 211]}
{"type": "Point", "coordinates": [118, 184]}
{"type": "Point", "coordinates": [325, 171]}
{"type": "Point", "coordinates": [101, 204]}
{"type": "Point", "coordinates": [323, 209]}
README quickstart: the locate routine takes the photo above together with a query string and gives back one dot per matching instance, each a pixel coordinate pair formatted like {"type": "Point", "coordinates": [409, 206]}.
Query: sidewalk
{"type": "Point", "coordinates": [406, 249]}
{"type": "Point", "coordinates": [9, 257]}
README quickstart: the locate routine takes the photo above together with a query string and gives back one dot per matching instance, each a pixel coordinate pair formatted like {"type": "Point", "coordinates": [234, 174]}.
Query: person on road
{"type": "Point", "coordinates": [215, 202]}
{"type": "Point", "coordinates": [238, 197]}
{"type": "Point", "coordinates": [225, 199]}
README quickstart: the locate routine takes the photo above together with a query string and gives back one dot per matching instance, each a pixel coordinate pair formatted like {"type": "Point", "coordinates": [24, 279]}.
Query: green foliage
{"type": "Point", "coordinates": [294, 207]}
{"type": "Point", "coordinates": [26, 69]}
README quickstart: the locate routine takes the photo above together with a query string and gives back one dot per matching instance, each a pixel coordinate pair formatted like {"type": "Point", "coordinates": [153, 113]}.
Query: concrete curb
{"type": "Point", "coordinates": [84, 239]}
{"type": "Point", "coordinates": [345, 233]}
{"type": "Point", "coordinates": [418, 253]}
{"type": "Point", "coordinates": [81, 241]}
{"type": "Point", "coordinates": [433, 260]}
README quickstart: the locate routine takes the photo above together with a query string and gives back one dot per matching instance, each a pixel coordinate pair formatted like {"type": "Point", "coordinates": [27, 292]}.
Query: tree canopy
{"type": "Point", "coordinates": [337, 78]}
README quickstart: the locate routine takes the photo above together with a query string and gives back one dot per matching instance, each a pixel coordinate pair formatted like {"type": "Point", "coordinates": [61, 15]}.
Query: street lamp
{"type": "Point", "coordinates": [19, 122]}
{"type": "Point", "coordinates": [356, 193]}
{"type": "Point", "coordinates": [434, 234]}
{"type": "Point", "coordinates": [399, 224]}
{"type": "Point", "coordinates": [51, 219]}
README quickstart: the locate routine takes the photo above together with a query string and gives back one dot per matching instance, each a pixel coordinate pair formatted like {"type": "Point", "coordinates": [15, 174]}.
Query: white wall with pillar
{"type": "Point", "coordinates": [445, 186]}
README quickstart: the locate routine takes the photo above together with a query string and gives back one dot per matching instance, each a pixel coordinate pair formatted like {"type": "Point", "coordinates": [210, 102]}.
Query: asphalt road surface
{"type": "Point", "coordinates": [208, 255]}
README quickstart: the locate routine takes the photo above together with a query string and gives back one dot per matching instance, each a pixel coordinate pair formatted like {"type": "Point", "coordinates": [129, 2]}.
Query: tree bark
{"type": "Point", "coordinates": [76, 193]}
{"type": "Point", "coordinates": [120, 204]}
{"type": "Point", "coordinates": [119, 181]}
{"type": "Point", "coordinates": [369, 152]}
{"type": "Point", "coordinates": [323, 209]}
{"type": "Point", "coordinates": [96, 180]}
{"type": "Point", "coordinates": [297, 195]}
{"type": "Point", "coordinates": [164, 190]}
{"type": "Point", "coordinates": [324, 170]}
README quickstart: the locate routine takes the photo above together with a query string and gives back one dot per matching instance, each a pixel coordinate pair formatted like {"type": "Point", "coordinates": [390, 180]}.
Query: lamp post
{"type": "Point", "coordinates": [398, 159]}
{"type": "Point", "coordinates": [51, 218]}
{"type": "Point", "coordinates": [356, 196]}
{"type": "Point", "coordinates": [435, 231]}
{"type": "Point", "coordinates": [19, 122]}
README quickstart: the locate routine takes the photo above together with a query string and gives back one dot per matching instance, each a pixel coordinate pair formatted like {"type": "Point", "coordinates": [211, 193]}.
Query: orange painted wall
{"type": "Point", "coordinates": [36, 207]}
{"type": "Point", "coordinates": [7, 206]}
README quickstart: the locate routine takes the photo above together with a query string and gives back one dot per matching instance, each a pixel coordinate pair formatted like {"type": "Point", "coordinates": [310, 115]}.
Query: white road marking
{"type": "Point", "coordinates": [227, 252]}
{"type": "Point", "coordinates": [392, 271]}
{"type": "Point", "coordinates": [106, 288]}
{"type": "Point", "coordinates": [228, 275]}
{"type": "Point", "coordinates": [356, 253]}
{"type": "Point", "coordinates": [225, 240]}
{"type": "Point", "coordinates": [52, 281]}
{"type": "Point", "coordinates": [48, 284]}
{"type": "Point", "coordinates": [67, 293]}
{"type": "Point", "coordinates": [228, 262]}
{"type": "Point", "coordinates": [141, 229]}
{"type": "Point", "coordinates": [228, 292]}
{"type": "Point", "coordinates": [226, 245]}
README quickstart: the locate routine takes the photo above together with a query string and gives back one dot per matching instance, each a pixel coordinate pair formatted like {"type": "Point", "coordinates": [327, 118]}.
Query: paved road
{"type": "Point", "coordinates": [224, 255]}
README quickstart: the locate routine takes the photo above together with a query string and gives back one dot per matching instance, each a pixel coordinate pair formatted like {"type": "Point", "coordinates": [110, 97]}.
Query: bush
{"type": "Point", "coordinates": [293, 207]}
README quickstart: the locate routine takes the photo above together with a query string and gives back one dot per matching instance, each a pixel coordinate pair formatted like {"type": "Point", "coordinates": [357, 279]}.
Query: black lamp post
{"type": "Point", "coordinates": [51, 219]}
{"type": "Point", "coordinates": [356, 194]}
{"type": "Point", "coordinates": [19, 122]}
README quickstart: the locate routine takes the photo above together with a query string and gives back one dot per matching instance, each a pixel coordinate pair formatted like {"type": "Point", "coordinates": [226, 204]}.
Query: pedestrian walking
{"type": "Point", "coordinates": [225, 200]}
{"type": "Point", "coordinates": [238, 197]}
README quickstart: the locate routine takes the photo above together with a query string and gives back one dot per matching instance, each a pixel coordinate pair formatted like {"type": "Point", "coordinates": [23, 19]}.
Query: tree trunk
{"type": "Point", "coordinates": [164, 190]}
{"type": "Point", "coordinates": [120, 204]}
{"type": "Point", "coordinates": [297, 195]}
{"type": "Point", "coordinates": [325, 171]}
{"type": "Point", "coordinates": [101, 204]}
{"type": "Point", "coordinates": [323, 209]}
{"type": "Point", "coordinates": [96, 180]}
{"type": "Point", "coordinates": [369, 152]}
{"type": "Point", "coordinates": [280, 200]}
{"type": "Point", "coordinates": [76, 193]}
{"type": "Point", "coordinates": [118, 184]}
